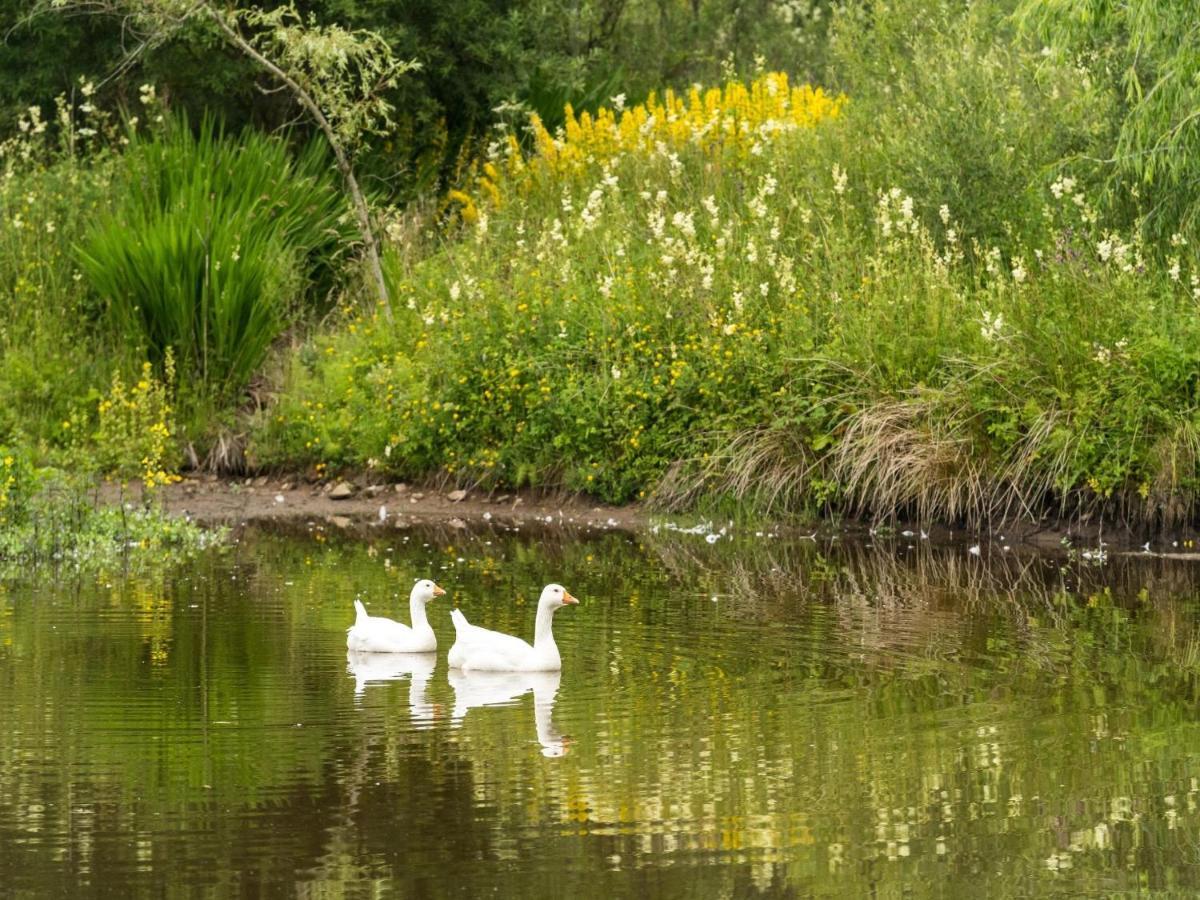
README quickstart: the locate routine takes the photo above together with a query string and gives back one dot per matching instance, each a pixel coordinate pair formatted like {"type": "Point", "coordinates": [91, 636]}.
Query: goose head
{"type": "Point", "coordinates": [425, 590]}
{"type": "Point", "coordinates": [556, 596]}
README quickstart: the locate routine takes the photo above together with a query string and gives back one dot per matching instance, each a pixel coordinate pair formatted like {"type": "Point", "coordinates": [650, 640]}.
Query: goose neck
{"type": "Point", "coordinates": [416, 609]}
{"type": "Point", "coordinates": [543, 635]}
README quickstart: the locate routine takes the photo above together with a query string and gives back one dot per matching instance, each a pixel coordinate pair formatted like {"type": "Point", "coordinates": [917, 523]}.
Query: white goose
{"type": "Point", "coordinates": [375, 634]}
{"type": "Point", "coordinates": [479, 648]}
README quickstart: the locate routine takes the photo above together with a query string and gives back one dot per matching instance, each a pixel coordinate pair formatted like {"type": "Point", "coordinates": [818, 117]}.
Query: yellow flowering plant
{"type": "Point", "coordinates": [136, 425]}
{"type": "Point", "coordinates": [18, 483]}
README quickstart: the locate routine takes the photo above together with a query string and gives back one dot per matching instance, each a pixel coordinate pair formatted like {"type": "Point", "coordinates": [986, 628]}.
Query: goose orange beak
{"type": "Point", "coordinates": [568, 600]}
{"type": "Point", "coordinates": [437, 591]}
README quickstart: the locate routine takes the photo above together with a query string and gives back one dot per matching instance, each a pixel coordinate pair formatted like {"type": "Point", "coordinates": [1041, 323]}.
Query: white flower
{"type": "Point", "coordinates": [684, 222]}
{"type": "Point", "coordinates": [616, 374]}
{"type": "Point", "coordinates": [944, 214]}
{"type": "Point", "coordinates": [618, 102]}
{"type": "Point", "coordinates": [1064, 185]}
{"type": "Point", "coordinates": [455, 291]}
{"type": "Point", "coordinates": [1018, 271]}
{"type": "Point", "coordinates": [992, 326]}
{"type": "Point", "coordinates": [992, 261]}
{"type": "Point", "coordinates": [839, 179]}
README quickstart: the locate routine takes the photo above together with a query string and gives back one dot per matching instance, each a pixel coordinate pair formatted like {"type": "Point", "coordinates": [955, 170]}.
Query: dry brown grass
{"type": "Point", "coordinates": [915, 455]}
{"type": "Point", "coordinates": [1171, 496]}
{"type": "Point", "coordinates": [766, 466]}
{"type": "Point", "coordinates": [926, 456]}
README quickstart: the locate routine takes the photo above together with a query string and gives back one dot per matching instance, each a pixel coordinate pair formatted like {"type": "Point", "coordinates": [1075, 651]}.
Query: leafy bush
{"type": "Point", "coordinates": [955, 108]}
{"type": "Point", "coordinates": [1147, 53]}
{"type": "Point", "coordinates": [211, 247]}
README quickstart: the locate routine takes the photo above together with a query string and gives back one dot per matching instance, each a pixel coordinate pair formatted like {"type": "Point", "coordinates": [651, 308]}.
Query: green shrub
{"type": "Point", "coordinates": [955, 108]}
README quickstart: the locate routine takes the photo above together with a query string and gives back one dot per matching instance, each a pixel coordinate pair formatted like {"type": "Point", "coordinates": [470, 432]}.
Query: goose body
{"type": "Point", "coordinates": [376, 634]}
{"type": "Point", "coordinates": [481, 649]}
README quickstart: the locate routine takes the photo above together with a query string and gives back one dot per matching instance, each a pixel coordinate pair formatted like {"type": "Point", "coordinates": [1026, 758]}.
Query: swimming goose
{"type": "Point", "coordinates": [479, 648]}
{"type": "Point", "coordinates": [375, 634]}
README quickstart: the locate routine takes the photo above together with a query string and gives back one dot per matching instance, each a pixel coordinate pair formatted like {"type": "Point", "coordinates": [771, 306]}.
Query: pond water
{"type": "Point", "coordinates": [752, 717]}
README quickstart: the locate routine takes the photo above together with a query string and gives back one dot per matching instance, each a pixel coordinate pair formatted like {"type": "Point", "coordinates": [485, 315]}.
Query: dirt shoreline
{"type": "Point", "coordinates": [236, 502]}
{"type": "Point", "coordinates": [351, 505]}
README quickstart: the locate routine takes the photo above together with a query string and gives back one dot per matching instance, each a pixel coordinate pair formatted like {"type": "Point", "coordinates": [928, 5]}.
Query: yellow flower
{"type": "Point", "coordinates": [732, 121]}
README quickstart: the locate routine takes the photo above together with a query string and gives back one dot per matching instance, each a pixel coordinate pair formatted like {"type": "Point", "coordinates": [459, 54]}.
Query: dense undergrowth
{"type": "Point", "coordinates": [922, 293]}
{"type": "Point", "coordinates": [750, 304]}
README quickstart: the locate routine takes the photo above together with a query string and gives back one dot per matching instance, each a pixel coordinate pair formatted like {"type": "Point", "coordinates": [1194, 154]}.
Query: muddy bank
{"type": "Point", "coordinates": [212, 501]}
{"type": "Point", "coordinates": [357, 506]}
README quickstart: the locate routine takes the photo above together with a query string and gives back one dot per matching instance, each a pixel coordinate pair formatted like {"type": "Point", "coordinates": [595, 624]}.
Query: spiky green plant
{"type": "Point", "coordinates": [216, 244]}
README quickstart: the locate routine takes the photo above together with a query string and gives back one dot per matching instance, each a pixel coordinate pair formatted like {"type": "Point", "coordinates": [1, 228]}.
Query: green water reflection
{"type": "Point", "coordinates": [750, 717]}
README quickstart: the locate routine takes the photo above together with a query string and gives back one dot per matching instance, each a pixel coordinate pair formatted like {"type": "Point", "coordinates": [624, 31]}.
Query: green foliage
{"type": "Point", "coordinates": [64, 526]}
{"type": "Point", "coordinates": [18, 484]}
{"type": "Point", "coordinates": [953, 108]}
{"type": "Point", "coordinates": [785, 324]}
{"type": "Point", "coordinates": [475, 55]}
{"type": "Point", "coordinates": [211, 248]}
{"type": "Point", "coordinates": [1148, 53]}
{"type": "Point", "coordinates": [51, 516]}
{"type": "Point", "coordinates": [50, 356]}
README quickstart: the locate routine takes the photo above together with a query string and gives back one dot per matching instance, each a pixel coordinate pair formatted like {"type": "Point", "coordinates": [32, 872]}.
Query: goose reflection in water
{"type": "Point", "coordinates": [367, 667]}
{"type": "Point", "coordinates": [480, 688]}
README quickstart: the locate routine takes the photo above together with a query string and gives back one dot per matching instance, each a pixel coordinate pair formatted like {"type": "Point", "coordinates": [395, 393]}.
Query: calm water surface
{"type": "Point", "coordinates": [752, 717]}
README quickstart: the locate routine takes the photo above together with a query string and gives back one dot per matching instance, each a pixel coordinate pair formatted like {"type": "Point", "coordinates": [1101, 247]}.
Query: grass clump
{"type": "Point", "coordinates": [211, 246]}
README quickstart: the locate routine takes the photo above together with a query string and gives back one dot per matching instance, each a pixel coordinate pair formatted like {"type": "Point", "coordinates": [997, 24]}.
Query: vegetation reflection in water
{"type": "Point", "coordinates": [754, 716]}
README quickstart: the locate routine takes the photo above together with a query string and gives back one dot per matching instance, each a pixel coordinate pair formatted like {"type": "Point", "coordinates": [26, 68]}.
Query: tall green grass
{"type": "Point", "coordinates": [215, 243]}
